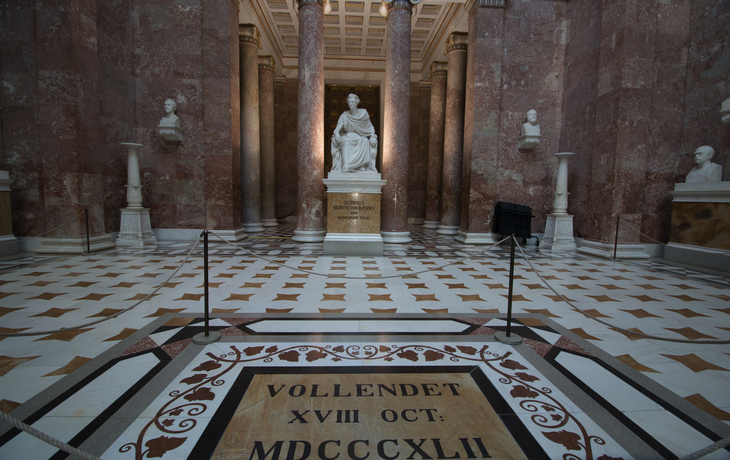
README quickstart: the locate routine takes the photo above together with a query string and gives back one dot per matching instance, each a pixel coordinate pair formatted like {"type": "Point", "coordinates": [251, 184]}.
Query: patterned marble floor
{"type": "Point", "coordinates": [272, 291]}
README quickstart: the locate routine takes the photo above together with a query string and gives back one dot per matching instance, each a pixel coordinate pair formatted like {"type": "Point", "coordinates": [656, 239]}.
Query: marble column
{"type": "Point", "coordinates": [421, 157]}
{"type": "Point", "coordinates": [248, 48]}
{"type": "Point", "coordinates": [480, 172]}
{"type": "Point", "coordinates": [456, 47]}
{"type": "Point", "coordinates": [310, 115]}
{"type": "Point", "coordinates": [267, 69]}
{"type": "Point", "coordinates": [434, 173]}
{"type": "Point", "coordinates": [396, 123]}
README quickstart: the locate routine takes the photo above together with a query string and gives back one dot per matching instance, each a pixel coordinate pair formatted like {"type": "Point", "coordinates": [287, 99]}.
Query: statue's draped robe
{"type": "Point", "coordinates": [355, 150]}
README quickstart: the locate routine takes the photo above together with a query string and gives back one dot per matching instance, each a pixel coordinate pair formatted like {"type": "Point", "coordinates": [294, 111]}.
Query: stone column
{"type": "Point", "coordinates": [248, 48]}
{"type": "Point", "coordinates": [481, 125]}
{"type": "Point", "coordinates": [310, 115]}
{"type": "Point", "coordinates": [420, 175]}
{"type": "Point", "coordinates": [456, 47]}
{"type": "Point", "coordinates": [396, 123]}
{"type": "Point", "coordinates": [439, 71]}
{"type": "Point", "coordinates": [267, 69]}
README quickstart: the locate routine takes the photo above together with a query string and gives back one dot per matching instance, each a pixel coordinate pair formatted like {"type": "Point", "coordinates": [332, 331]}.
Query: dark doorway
{"type": "Point", "coordinates": [335, 102]}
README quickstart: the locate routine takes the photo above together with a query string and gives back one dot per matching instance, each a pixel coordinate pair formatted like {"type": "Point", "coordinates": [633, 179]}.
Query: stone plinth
{"type": "Point", "coordinates": [135, 229]}
{"type": "Point", "coordinates": [559, 233]}
{"type": "Point", "coordinates": [8, 242]}
{"type": "Point", "coordinates": [700, 232]}
{"type": "Point", "coordinates": [353, 214]}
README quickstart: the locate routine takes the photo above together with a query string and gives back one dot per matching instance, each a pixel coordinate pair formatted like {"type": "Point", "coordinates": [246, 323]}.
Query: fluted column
{"type": "Point", "coordinates": [248, 48]}
{"type": "Point", "coordinates": [434, 173]}
{"type": "Point", "coordinates": [456, 47]}
{"type": "Point", "coordinates": [267, 69]}
{"type": "Point", "coordinates": [396, 123]}
{"type": "Point", "coordinates": [310, 115]}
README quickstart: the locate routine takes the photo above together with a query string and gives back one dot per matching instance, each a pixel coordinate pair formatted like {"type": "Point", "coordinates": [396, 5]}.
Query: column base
{"type": "Point", "coordinates": [476, 238]}
{"type": "Point", "coordinates": [450, 230]}
{"type": "Point", "coordinates": [8, 245]}
{"type": "Point", "coordinates": [715, 259]}
{"type": "Point", "coordinates": [253, 227]}
{"type": "Point", "coordinates": [353, 244]}
{"type": "Point", "coordinates": [75, 245]}
{"type": "Point", "coordinates": [415, 220]}
{"type": "Point", "coordinates": [135, 229]}
{"type": "Point", "coordinates": [308, 236]}
{"type": "Point", "coordinates": [604, 250]}
{"type": "Point", "coordinates": [432, 224]}
{"type": "Point", "coordinates": [237, 234]}
{"type": "Point", "coordinates": [559, 234]}
{"type": "Point", "coordinates": [396, 237]}
{"type": "Point", "coordinates": [269, 222]}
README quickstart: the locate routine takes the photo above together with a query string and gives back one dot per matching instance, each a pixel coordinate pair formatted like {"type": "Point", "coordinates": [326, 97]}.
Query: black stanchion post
{"type": "Point", "coordinates": [509, 338]}
{"type": "Point", "coordinates": [88, 239]}
{"type": "Point", "coordinates": [206, 336]}
{"type": "Point", "coordinates": [615, 242]}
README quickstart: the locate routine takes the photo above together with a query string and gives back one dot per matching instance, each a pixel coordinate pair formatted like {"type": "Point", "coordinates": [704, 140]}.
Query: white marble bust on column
{"type": "Point", "coordinates": [706, 170]}
{"type": "Point", "coordinates": [169, 127]}
{"type": "Point", "coordinates": [529, 132]}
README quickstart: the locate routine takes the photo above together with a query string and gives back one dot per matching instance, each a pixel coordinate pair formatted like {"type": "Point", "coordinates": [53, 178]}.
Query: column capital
{"type": "Point", "coordinates": [300, 3]}
{"type": "Point", "coordinates": [471, 4]}
{"type": "Point", "coordinates": [439, 68]}
{"type": "Point", "coordinates": [457, 41]}
{"type": "Point", "coordinates": [279, 80]}
{"type": "Point", "coordinates": [424, 85]}
{"type": "Point", "coordinates": [248, 33]}
{"type": "Point", "coordinates": [267, 63]}
{"type": "Point", "coordinates": [401, 4]}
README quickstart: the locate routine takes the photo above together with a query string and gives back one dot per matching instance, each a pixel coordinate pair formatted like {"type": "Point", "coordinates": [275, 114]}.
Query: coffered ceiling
{"type": "Point", "coordinates": [355, 35]}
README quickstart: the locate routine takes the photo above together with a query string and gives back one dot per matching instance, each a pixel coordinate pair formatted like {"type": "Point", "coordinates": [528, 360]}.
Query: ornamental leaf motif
{"type": "Point", "coordinates": [521, 391]}
{"type": "Point", "coordinates": [273, 349]}
{"type": "Point", "coordinates": [467, 350]}
{"type": "Point", "coordinates": [384, 349]}
{"type": "Point", "coordinates": [201, 394]}
{"type": "Point", "coordinates": [250, 351]}
{"type": "Point", "coordinates": [449, 349]}
{"type": "Point", "coordinates": [292, 356]}
{"type": "Point", "coordinates": [176, 412]}
{"type": "Point", "coordinates": [159, 446]}
{"type": "Point", "coordinates": [207, 366]}
{"type": "Point", "coordinates": [511, 364]}
{"type": "Point", "coordinates": [431, 355]}
{"type": "Point", "coordinates": [192, 380]}
{"type": "Point", "coordinates": [526, 377]}
{"type": "Point", "coordinates": [410, 355]}
{"type": "Point", "coordinates": [566, 438]}
{"type": "Point", "coordinates": [338, 349]}
{"type": "Point", "coordinates": [314, 355]}
{"type": "Point", "coordinates": [168, 422]}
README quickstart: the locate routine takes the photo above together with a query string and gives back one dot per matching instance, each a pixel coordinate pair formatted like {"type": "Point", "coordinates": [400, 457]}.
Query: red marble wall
{"type": "Point", "coordinates": [285, 147]}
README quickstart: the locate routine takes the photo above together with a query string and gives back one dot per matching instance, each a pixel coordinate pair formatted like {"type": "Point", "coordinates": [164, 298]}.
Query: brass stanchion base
{"type": "Point", "coordinates": [201, 339]}
{"type": "Point", "coordinates": [513, 339]}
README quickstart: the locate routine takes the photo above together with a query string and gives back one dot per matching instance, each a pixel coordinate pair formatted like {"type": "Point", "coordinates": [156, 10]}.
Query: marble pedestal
{"type": "Point", "coordinates": [135, 229]}
{"type": "Point", "coordinates": [74, 245]}
{"type": "Point", "coordinates": [353, 214]}
{"type": "Point", "coordinates": [559, 233]}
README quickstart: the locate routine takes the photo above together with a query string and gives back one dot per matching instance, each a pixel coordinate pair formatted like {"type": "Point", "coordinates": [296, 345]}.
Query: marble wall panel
{"type": "Point", "coordinates": [701, 224]}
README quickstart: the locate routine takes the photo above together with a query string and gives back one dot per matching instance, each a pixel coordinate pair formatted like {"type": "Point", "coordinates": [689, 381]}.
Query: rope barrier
{"type": "Point", "coordinates": [358, 277]}
{"type": "Point", "coordinates": [46, 438]}
{"type": "Point", "coordinates": [92, 323]}
{"type": "Point", "coordinates": [606, 323]}
{"type": "Point", "coordinates": [42, 234]}
{"type": "Point", "coordinates": [708, 450]}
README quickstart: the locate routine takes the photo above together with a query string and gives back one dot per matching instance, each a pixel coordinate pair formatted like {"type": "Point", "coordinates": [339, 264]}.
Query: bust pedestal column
{"type": "Point", "coordinates": [310, 117]}
{"type": "Point", "coordinates": [248, 48]}
{"type": "Point", "coordinates": [559, 226]}
{"type": "Point", "coordinates": [396, 126]}
{"type": "Point", "coordinates": [439, 70]}
{"type": "Point", "coordinates": [456, 48]}
{"type": "Point", "coordinates": [135, 229]}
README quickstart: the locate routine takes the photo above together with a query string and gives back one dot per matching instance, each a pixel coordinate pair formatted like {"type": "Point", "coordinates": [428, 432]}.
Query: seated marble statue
{"type": "Point", "coordinates": [170, 119]}
{"type": "Point", "coordinates": [705, 171]}
{"type": "Point", "coordinates": [354, 142]}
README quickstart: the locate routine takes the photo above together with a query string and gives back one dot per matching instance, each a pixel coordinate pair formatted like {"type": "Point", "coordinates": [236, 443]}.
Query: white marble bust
{"type": "Point", "coordinates": [529, 132]}
{"type": "Point", "coordinates": [170, 119]}
{"type": "Point", "coordinates": [354, 142]}
{"type": "Point", "coordinates": [706, 170]}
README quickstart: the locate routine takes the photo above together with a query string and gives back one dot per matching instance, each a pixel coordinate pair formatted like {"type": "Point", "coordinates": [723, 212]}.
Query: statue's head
{"type": "Point", "coordinates": [532, 116]}
{"type": "Point", "coordinates": [704, 154]}
{"type": "Point", "coordinates": [353, 97]}
{"type": "Point", "coordinates": [170, 106]}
